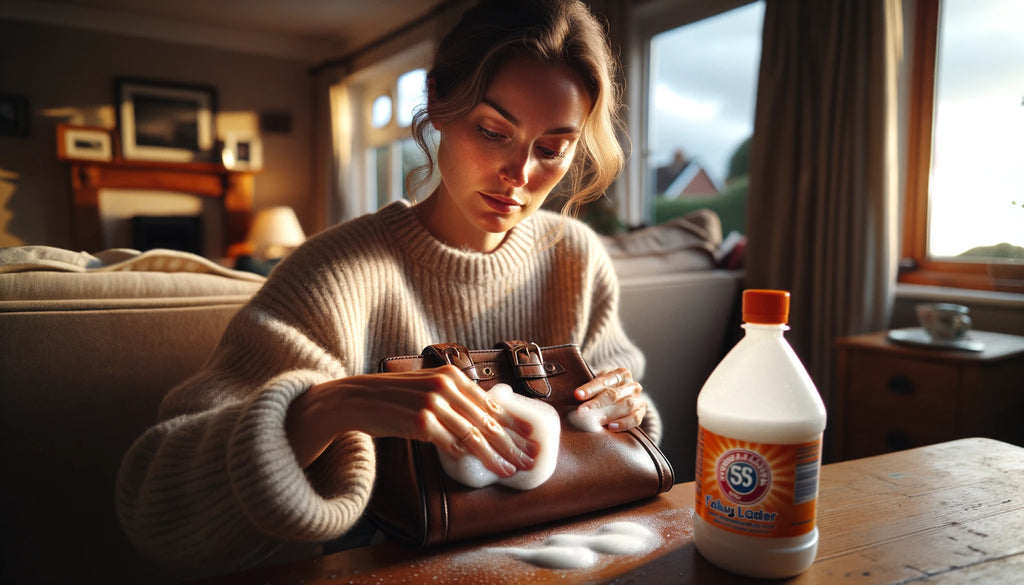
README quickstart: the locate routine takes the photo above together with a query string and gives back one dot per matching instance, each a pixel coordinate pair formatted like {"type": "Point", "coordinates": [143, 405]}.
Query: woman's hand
{"type": "Point", "coordinates": [614, 398]}
{"type": "Point", "coordinates": [437, 405]}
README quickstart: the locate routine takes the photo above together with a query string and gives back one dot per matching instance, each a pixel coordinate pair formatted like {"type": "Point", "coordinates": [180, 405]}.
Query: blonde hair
{"type": "Point", "coordinates": [556, 32]}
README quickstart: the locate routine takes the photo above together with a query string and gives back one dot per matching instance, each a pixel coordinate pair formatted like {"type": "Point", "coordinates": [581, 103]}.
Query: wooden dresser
{"type": "Point", "coordinates": [892, 396]}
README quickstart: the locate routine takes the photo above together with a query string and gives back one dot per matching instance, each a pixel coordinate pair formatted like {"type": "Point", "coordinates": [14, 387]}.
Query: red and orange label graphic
{"type": "Point", "coordinates": [757, 489]}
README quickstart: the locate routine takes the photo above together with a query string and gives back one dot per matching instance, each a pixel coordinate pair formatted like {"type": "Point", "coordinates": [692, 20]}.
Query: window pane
{"type": "Point", "coordinates": [381, 111]}
{"type": "Point", "coordinates": [412, 157]}
{"type": "Point", "coordinates": [976, 189]}
{"type": "Point", "coordinates": [702, 97]}
{"type": "Point", "coordinates": [381, 166]}
{"type": "Point", "coordinates": [411, 94]}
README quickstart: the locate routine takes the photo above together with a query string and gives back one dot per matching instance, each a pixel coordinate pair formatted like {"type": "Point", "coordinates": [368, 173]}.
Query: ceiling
{"type": "Point", "coordinates": [310, 30]}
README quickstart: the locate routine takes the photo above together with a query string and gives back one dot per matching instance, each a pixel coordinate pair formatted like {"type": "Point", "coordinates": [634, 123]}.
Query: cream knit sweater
{"type": "Point", "coordinates": [214, 486]}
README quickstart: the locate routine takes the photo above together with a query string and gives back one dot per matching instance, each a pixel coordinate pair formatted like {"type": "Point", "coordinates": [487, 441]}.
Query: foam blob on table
{"type": "Point", "coordinates": [547, 429]}
{"type": "Point", "coordinates": [581, 551]}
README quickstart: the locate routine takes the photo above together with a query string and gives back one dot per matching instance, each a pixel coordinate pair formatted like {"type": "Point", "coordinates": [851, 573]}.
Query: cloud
{"type": "Point", "coordinates": [704, 79]}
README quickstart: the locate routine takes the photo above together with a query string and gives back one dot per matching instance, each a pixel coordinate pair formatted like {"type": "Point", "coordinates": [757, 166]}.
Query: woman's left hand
{"type": "Point", "coordinates": [617, 396]}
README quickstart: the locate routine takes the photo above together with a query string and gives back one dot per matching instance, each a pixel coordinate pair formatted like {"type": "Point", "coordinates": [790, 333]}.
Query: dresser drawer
{"type": "Point", "coordinates": [872, 432]}
{"type": "Point", "coordinates": [918, 389]}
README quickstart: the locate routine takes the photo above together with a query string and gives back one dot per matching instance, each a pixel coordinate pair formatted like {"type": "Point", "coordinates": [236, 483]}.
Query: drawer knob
{"type": "Point", "coordinates": [897, 441]}
{"type": "Point", "coordinates": [901, 385]}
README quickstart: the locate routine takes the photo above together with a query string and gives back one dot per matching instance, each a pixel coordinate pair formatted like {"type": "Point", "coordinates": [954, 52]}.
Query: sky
{"type": "Point", "coordinates": [978, 149]}
{"type": "Point", "coordinates": [704, 88]}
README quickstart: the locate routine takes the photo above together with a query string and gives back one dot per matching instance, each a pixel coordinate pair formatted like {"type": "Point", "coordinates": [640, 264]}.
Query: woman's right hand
{"type": "Point", "coordinates": [437, 405]}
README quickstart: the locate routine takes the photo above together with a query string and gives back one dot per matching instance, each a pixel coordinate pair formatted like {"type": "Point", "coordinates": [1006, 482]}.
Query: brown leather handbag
{"type": "Point", "coordinates": [416, 502]}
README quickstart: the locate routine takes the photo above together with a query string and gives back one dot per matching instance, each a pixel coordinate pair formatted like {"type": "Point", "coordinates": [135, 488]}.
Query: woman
{"type": "Point", "coordinates": [268, 449]}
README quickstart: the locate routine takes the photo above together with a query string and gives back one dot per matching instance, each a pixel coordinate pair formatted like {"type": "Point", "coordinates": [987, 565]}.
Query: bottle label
{"type": "Point", "coordinates": [757, 489]}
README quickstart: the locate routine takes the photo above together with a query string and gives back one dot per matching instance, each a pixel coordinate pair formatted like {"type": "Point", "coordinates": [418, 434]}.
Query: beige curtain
{"type": "Point", "coordinates": [823, 201]}
{"type": "Point", "coordinates": [330, 151]}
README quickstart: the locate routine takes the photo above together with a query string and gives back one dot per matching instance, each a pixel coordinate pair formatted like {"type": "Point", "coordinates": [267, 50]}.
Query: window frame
{"type": "Point", "coordinates": [916, 267]}
{"type": "Point", "coordinates": [647, 20]}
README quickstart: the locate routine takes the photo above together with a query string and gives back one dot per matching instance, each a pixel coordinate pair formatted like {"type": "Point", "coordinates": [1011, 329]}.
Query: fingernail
{"type": "Point", "coordinates": [614, 426]}
{"type": "Point", "coordinates": [525, 461]}
{"type": "Point", "coordinates": [509, 469]}
{"type": "Point", "coordinates": [532, 448]}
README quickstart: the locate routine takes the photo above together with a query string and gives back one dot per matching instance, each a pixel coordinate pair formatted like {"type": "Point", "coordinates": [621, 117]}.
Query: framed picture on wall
{"type": "Point", "coordinates": [242, 152]}
{"type": "Point", "coordinates": [84, 143]}
{"type": "Point", "coordinates": [166, 121]}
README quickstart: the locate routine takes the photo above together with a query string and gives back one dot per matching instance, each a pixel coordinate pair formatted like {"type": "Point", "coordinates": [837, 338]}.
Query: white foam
{"type": "Point", "coordinates": [582, 551]}
{"type": "Point", "coordinates": [588, 422]}
{"type": "Point", "coordinates": [618, 538]}
{"type": "Point", "coordinates": [555, 557]}
{"type": "Point", "coordinates": [546, 431]}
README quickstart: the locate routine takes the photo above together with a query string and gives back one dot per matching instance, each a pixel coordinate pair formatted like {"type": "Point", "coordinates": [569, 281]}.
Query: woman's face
{"type": "Point", "coordinates": [499, 162]}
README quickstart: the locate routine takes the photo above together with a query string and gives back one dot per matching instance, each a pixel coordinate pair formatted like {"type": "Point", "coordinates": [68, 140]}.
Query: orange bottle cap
{"type": "Point", "coordinates": [765, 307]}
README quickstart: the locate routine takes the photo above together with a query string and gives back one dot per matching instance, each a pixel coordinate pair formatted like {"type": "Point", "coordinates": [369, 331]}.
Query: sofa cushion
{"type": "Point", "coordinates": [682, 244]}
{"type": "Point", "coordinates": [48, 258]}
{"type": "Point", "coordinates": [46, 278]}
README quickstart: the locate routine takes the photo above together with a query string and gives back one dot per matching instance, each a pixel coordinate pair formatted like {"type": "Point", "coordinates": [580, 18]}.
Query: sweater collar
{"type": "Point", "coordinates": [425, 250]}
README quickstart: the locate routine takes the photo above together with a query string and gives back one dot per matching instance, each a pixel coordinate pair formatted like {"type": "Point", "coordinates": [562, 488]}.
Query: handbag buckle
{"type": "Point", "coordinates": [529, 367]}
{"type": "Point", "coordinates": [456, 355]}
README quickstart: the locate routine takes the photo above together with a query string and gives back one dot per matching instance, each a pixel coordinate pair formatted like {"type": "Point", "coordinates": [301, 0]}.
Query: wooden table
{"type": "Point", "coordinates": [950, 513]}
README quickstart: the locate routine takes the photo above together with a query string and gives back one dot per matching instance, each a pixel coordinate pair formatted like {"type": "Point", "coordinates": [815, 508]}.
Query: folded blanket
{"type": "Point", "coordinates": [51, 259]}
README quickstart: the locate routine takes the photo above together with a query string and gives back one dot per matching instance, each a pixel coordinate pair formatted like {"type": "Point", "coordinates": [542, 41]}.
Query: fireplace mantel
{"type": "Point", "coordinates": [234, 188]}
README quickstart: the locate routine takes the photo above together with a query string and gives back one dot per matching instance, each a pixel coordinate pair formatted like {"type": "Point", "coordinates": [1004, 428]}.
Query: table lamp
{"type": "Point", "coordinates": [275, 232]}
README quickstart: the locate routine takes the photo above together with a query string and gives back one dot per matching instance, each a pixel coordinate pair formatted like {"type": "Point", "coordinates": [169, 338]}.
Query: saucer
{"type": "Point", "coordinates": [918, 337]}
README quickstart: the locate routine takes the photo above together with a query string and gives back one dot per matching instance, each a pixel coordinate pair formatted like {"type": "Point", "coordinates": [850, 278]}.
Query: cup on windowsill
{"type": "Point", "coordinates": [944, 322]}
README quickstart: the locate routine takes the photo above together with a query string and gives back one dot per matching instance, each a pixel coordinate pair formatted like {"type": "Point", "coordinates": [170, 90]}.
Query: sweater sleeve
{"type": "Point", "coordinates": [606, 345]}
{"type": "Point", "coordinates": [215, 486]}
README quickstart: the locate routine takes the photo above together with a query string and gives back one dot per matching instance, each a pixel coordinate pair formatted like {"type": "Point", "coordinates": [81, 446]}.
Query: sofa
{"type": "Point", "coordinates": [89, 344]}
{"type": "Point", "coordinates": [88, 347]}
{"type": "Point", "coordinates": [680, 286]}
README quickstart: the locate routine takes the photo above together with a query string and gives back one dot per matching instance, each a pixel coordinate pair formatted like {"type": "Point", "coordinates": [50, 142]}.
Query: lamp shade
{"type": "Point", "coordinates": [275, 232]}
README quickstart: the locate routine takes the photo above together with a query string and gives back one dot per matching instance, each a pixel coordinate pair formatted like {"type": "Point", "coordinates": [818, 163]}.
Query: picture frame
{"type": "Point", "coordinates": [84, 143]}
{"type": "Point", "coordinates": [166, 121]}
{"type": "Point", "coordinates": [242, 152]}
{"type": "Point", "coordinates": [14, 115]}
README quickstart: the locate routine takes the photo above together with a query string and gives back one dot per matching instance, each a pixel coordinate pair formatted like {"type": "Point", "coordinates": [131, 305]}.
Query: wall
{"type": "Point", "coordinates": [68, 76]}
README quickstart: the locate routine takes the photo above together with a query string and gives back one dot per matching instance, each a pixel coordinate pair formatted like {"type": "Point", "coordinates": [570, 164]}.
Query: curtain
{"type": "Point", "coordinates": [823, 202]}
{"type": "Point", "coordinates": [331, 151]}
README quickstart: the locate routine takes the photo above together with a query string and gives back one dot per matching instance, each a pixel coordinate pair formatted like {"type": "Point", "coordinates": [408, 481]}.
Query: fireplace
{"type": "Point", "coordinates": [233, 190]}
{"type": "Point", "coordinates": [183, 232]}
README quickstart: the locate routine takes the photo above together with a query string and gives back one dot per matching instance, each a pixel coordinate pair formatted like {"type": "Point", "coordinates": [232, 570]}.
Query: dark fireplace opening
{"type": "Point", "coordinates": [172, 232]}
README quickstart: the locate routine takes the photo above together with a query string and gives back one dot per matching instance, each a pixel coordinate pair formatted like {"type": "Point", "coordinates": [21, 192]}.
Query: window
{"type": "Point", "coordinates": [391, 151]}
{"type": "Point", "coordinates": [375, 110]}
{"type": "Point", "coordinates": [701, 89]}
{"type": "Point", "coordinates": [380, 116]}
{"type": "Point", "coordinates": [964, 214]}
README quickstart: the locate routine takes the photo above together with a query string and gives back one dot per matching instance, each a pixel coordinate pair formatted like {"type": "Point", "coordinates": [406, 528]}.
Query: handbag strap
{"type": "Point", "coordinates": [527, 361]}
{"type": "Point", "coordinates": [454, 354]}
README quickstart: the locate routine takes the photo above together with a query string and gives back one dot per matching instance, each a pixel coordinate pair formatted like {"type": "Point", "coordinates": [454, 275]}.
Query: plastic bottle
{"type": "Point", "coordinates": [759, 441]}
